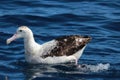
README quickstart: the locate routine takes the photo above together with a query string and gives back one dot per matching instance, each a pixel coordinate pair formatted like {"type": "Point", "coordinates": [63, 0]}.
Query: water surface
{"type": "Point", "coordinates": [50, 19]}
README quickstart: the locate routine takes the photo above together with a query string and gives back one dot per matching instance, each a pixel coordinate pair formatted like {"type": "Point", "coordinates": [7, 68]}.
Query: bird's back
{"type": "Point", "coordinates": [65, 45]}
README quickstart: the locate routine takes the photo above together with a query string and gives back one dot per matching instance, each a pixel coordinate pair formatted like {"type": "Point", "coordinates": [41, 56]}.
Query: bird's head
{"type": "Point", "coordinates": [22, 32]}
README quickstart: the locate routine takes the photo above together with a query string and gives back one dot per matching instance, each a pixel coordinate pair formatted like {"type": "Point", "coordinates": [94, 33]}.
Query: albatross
{"type": "Point", "coordinates": [60, 50]}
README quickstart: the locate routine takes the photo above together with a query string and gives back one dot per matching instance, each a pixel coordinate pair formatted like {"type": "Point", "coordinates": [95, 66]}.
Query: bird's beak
{"type": "Point", "coordinates": [8, 41]}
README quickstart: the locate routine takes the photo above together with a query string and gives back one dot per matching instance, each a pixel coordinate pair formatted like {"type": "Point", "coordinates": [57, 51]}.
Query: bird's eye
{"type": "Point", "coordinates": [20, 30]}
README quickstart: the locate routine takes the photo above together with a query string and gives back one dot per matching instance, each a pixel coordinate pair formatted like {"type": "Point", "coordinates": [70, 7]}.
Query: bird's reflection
{"type": "Point", "coordinates": [61, 71]}
{"type": "Point", "coordinates": [50, 71]}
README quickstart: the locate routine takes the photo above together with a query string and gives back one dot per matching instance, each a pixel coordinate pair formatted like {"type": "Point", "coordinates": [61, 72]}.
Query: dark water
{"type": "Point", "coordinates": [50, 19]}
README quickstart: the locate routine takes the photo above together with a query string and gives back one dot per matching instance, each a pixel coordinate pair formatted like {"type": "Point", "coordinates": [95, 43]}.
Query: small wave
{"type": "Point", "coordinates": [94, 68]}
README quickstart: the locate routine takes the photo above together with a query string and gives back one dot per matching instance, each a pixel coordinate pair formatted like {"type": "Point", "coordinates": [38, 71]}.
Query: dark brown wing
{"type": "Point", "coordinates": [68, 45]}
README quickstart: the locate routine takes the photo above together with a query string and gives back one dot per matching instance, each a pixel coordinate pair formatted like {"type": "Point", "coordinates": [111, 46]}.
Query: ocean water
{"type": "Point", "coordinates": [50, 19]}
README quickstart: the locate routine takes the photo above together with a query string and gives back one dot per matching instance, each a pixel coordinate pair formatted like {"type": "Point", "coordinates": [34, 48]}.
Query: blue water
{"type": "Point", "coordinates": [50, 19]}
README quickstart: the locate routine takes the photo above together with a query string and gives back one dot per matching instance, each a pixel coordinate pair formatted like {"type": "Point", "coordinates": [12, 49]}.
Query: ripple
{"type": "Point", "coordinates": [113, 26]}
{"type": "Point", "coordinates": [50, 19]}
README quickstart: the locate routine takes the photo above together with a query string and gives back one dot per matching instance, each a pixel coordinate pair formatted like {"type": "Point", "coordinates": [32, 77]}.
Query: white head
{"type": "Point", "coordinates": [22, 32]}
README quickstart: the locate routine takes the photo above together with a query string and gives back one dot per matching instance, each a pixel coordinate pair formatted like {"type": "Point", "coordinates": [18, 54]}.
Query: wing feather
{"type": "Point", "coordinates": [67, 45]}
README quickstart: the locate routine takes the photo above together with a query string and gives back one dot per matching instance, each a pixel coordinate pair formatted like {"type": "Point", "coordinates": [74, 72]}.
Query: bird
{"type": "Point", "coordinates": [64, 49]}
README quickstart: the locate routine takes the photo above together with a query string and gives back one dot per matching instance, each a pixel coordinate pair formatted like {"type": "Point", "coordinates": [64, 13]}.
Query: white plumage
{"type": "Point", "coordinates": [52, 52]}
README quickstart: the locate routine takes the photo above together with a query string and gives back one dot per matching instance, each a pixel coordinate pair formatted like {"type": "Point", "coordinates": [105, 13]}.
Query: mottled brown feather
{"type": "Point", "coordinates": [67, 45]}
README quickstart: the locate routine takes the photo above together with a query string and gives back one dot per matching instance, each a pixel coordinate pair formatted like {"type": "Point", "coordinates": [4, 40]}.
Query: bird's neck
{"type": "Point", "coordinates": [29, 40]}
{"type": "Point", "coordinates": [30, 44]}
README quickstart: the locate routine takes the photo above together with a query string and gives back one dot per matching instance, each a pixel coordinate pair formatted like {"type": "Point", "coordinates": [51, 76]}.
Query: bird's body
{"type": "Point", "coordinates": [61, 50]}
